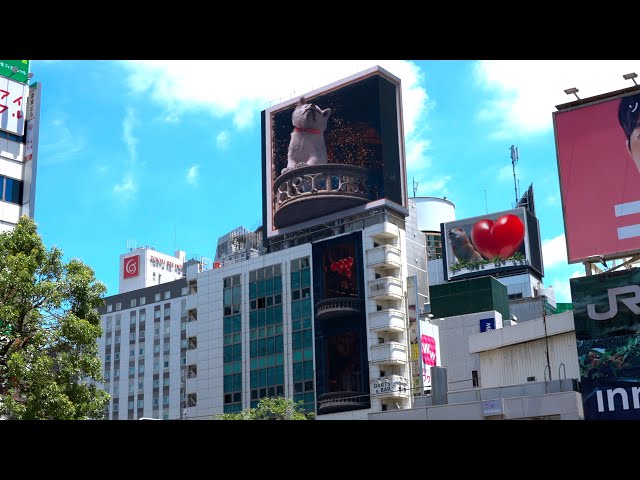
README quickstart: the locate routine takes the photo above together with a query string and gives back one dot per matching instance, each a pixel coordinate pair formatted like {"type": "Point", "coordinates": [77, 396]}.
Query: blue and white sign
{"type": "Point", "coordinates": [492, 407]}
{"type": "Point", "coordinates": [487, 324]}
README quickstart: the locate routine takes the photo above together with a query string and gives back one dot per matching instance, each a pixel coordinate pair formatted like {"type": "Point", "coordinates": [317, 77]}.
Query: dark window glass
{"type": "Point", "coordinates": [13, 191]}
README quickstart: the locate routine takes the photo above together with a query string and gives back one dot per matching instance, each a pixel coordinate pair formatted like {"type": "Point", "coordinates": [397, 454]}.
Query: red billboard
{"type": "Point", "coordinates": [333, 152]}
{"type": "Point", "coordinates": [598, 152]}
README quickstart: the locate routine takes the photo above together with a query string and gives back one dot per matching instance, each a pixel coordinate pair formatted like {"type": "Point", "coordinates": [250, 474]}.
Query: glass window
{"type": "Point", "coordinates": [157, 297]}
{"type": "Point", "coordinates": [109, 308]}
{"type": "Point", "coordinates": [143, 300]}
{"type": "Point", "coordinates": [118, 306]}
{"type": "Point", "coordinates": [133, 302]}
{"type": "Point", "coordinates": [13, 191]}
{"type": "Point", "coordinates": [130, 404]}
{"type": "Point", "coordinates": [165, 382]}
{"type": "Point", "coordinates": [167, 295]}
{"type": "Point", "coordinates": [140, 403]}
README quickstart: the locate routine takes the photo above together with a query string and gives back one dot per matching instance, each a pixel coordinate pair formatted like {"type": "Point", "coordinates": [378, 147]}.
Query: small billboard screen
{"type": "Point", "coordinates": [494, 242]}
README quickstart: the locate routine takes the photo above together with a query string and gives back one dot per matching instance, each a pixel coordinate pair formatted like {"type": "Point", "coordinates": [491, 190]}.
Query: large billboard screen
{"type": "Point", "coordinates": [500, 241]}
{"type": "Point", "coordinates": [17, 70]}
{"type": "Point", "coordinates": [598, 152]}
{"type": "Point", "coordinates": [606, 313]}
{"type": "Point", "coordinates": [336, 151]}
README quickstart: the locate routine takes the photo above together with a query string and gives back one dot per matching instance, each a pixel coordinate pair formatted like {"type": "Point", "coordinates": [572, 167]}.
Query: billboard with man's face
{"type": "Point", "coordinates": [507, 240]}
{"type": "Point", "coordinates": [598, 151]}
{"type": "Point", "coordinates": [333, 152]}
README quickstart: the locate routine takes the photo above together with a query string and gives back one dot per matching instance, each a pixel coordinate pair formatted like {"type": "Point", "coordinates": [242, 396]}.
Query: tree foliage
{"type": "Point", "coordinates": [274, 408]}
{"type": "Point", "coordinates": [49, 326]}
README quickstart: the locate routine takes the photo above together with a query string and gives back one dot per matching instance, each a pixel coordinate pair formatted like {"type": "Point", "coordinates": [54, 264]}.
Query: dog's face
{"type": "Point", "coordinates": [308, 115]}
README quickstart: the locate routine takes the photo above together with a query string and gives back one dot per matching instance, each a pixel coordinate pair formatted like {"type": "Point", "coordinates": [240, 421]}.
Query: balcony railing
{"type": "Point", "coordinates": [386, 288]}
{"type": "Point", "coordinates": [390, 386]}
{"type": "Point", "coordinates": [389, 353]}
{"type": "Point", "coordinates": [342, 401]}
{"type": "Point", "coordinates": [389, 320]}
{"type": "Point", "coordinates": [309, 192]}
{"type": "Point", "coordinates": [384, 256]}
{"type": "Point", "coordinates": [338, 307]}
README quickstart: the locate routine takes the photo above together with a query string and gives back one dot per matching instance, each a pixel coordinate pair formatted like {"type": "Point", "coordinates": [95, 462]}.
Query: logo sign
{"type": "Point", "coordinates": [498, 241]}
{"type": "Point", "coordinates": [493, 407]}
{"type": "Point", "coordinates": [132, 266]}
{"type": "Point", "coordinates": [487, 324]}
{"type": "Point", "coordinates": [606, 305]}
{"type": "Point", "coordinates": [597, 144]}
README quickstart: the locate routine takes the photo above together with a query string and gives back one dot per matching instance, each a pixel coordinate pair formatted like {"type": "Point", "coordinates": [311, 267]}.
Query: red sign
{"type": "Point", "coordinates": [598, 152]}
{"type": "Point", "coordinates": [132, 266]}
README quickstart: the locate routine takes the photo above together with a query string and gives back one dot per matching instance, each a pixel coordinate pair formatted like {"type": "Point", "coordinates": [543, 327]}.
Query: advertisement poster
{"type": "Point", "coordinates": [607, 316]}
{"type": "Point", "coordinates": [598, 153]}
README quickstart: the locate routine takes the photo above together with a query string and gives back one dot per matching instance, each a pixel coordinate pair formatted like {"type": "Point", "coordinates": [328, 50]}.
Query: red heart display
{"type": "Point", "coordinates": [500, 239]}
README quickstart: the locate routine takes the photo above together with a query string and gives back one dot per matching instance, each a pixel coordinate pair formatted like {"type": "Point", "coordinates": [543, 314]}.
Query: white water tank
{"type": "Point", "coordinates": [432, 211]}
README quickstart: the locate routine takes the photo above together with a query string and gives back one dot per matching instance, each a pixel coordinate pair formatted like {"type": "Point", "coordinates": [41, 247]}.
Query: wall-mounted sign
{"type": "Point", "coordinates": [13, 105]}
{"type": "Point", "coordinates": [132, 266]}
{"type": "Point", "coordinates": [487, 324]}
{"type": "Point", "coordinates": [493, 407]}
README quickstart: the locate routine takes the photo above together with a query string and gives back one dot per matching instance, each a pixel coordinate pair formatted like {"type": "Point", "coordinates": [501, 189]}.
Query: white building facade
{"type": "Point", "coordinates": [19, 132]}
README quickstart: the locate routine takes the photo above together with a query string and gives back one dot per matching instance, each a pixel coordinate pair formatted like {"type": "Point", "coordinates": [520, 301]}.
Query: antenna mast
{"type": "Point", "coordinates": [514, 160]}
{"type": "Point", "coordinates": [415, 187]}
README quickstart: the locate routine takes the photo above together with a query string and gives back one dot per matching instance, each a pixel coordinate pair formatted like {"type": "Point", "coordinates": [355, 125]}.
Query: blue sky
{"type": "Point", "coordinates": [167, 153]}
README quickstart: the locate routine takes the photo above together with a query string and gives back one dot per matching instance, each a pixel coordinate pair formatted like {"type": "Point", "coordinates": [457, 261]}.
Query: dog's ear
{"type": "Point", "coordinates": [301, 101]}
{"type": "Point", "coordinates": [326, 112]}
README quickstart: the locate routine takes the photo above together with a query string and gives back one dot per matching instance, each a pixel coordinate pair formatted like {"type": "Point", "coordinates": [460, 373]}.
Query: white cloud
{"type": "Point", "coordinates": [562, 287]}
{"type": "Point", "coordinates": [505, 173]}
{"type": "Point", "coordinates": [229, 87]}
{"type": "Point", "coordinates": [552, 200]}
{"type": "Point", "coordinates": [129, 122]}
{"type": "Point", "coordinates": [66, 144]}
{"type": "Point", "coordinates": [126, 189]}
{"type": "Point", "coordinates": [554, 251]}
{"type": "Point", "coordinates": [223, 140]}
{"type": "Point", "coordinates": [525, 92]}
{"type": "Point", "coordinates": [416, 157]}
{"type": "Point", "coordinates": [192, 174]}
{"type": "Point", "coordinates": [433, 188]}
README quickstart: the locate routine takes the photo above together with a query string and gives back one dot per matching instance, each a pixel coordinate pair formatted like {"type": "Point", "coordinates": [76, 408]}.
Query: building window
{"type": "Point", "coordinates": [115, 407]}
{"type": "Point", "coordinates": [165, 382]}
{"type": "Point", "coordinates": [166, 348]}
{"type": "Point", "coordinates": [130, 404]}
{"type": "Point", "coordinates": [476, 380]}
{"type": "Point", "coordinates": [192, 371]}
{"type": "Point", "coordinates": [183, 361]}
{"type": "Point", "coordinates": [167, 295]}
{"type": "Point", "coordinates": [156, 401]}
{"type": "Point", "coordinates": [132, 318]}
{"type": "Point", "coordinates": [116, 390]}
{"type": "Point", "coordinates": [156, 366]}
{"type": "Point", "coordinates": [107, 374]}
{"type": "Point", "coordinates": [166, 364]}
{"type": "Point", "coordinates": [157, 296]}
{"type": "Point", "coordinates": [109, 340]}
{"type": "Point", "coordinates": [133, 302]}
{"type": "Point", "coordinates": [143, 300]}
{"type": "Point", "coordinates": [109, 322]}
{"type": "Point", "coordinates": [156, 383]}
{"type": "Point", "coordinates": [140, 385]}
{"type": "Point", "coordinates": [184, 290]}
{"type": "Point", "coordinates": [107, 357]}
{"type": "Point", "coordinates": [156, 348]}
{"type": "Point", "coordinates": [143, 315]}
{"type": "Point", "coordinates": [140, 403]}
{"type": "Point", "coordinates": [167, 327]}
{"type": "Point", "coordinates": [118, 320]}
{"type": "Point", "coordinates": [132, 336]}
{"type": "Point", "coordinates": [117, 339]}
{"type": "Point", "coordinates": [156, 331]}
{"type": "Point", "coordinates": [13, 190]}
{"type": "Point", "coordinates": [183, 343]}
{"type": "Point", "coordinates": [116, 356]}
{"type": "Point", "coordinates": [140, 368]}
{"type": "Point", "coordinates": [132, 353]}
{"type": "Point", "coordinates": [192, 400]}
{"type": "Point", "coordinates": [132, 371]}
{"type": "Point", "coordinates": [131, 388]}
{"type": "Point", "coordinates": [109, 308]}
{"type": "Point", "coordinates": [165, 400]}
{"type": "Point", "coordinates": [116, 373]}
{"type": "Point", "coordinates": [118, 306]}
{"type": "Point", "coordinates": [193, 343]}
{"type": "Point", "coordinates": [141, 351]}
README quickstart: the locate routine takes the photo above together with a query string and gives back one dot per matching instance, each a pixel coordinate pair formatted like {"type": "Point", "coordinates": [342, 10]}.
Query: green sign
{"type": "Point", "coordinates": [20, 75]}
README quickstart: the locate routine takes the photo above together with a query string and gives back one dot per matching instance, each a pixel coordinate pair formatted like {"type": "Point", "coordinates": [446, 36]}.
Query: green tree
{"type": "Point", "coordinates": [49, 326]}
{"type": "Point", "coordinates": [273, 408]}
